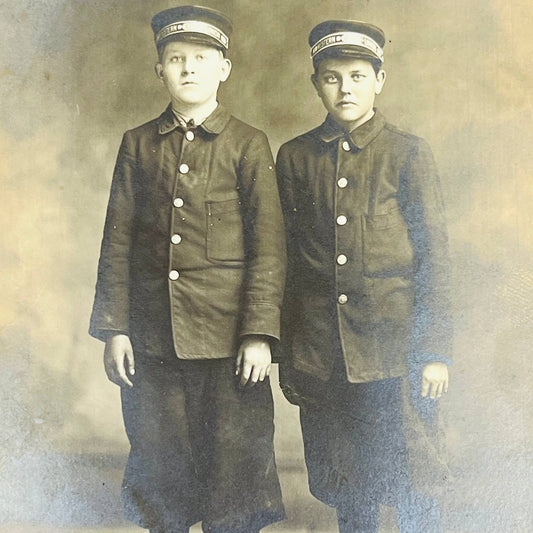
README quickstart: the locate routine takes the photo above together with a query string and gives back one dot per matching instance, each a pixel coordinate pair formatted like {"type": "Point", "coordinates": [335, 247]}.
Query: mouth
{"type": "Point", "coordinates": [346, 103]}
{"type": "Point", "coordinates": [189, 83]}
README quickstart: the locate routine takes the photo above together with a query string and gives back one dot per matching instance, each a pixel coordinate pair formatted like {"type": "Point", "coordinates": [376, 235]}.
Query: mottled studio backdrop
{"type": "Point", "coordinates": [75, 74]}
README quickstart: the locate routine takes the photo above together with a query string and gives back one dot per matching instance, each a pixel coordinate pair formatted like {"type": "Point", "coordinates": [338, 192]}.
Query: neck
{"type": "Point", "coordinates": [197, 112]}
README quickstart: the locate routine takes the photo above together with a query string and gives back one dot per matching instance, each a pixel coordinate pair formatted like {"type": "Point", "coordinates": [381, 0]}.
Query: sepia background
{"type": "Point", "coordinates": [74, 74]}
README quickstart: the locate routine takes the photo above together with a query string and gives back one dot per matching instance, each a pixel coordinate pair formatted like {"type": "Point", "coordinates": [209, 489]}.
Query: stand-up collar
{"type": "Point", "coordinates": [330, 130]}
{"type": "Point", "coordinates": [214, 123]}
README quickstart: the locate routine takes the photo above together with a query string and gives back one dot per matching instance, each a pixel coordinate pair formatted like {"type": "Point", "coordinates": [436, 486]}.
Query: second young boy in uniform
{"type": "Point", "coordinates": [189, 289]}
{"type": "Point", "coordinates": [365, 327]}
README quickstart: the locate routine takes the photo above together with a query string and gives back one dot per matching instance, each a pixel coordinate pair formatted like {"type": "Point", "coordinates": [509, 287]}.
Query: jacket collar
{"type": "Point", "coordinates": [214, 123]}
{"type": "Point", "coordinates": [330, 130]}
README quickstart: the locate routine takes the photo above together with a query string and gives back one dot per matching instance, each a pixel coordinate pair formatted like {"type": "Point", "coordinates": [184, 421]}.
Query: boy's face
{"type": "Point", "coordinates": [348, 88]}
{"type": "Point", "coordinates": [192, 73]}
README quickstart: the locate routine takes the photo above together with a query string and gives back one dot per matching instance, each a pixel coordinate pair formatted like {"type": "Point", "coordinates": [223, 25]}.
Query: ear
{"type": "Point", "coordinates": [159, 70]}
{"type": "Point", "coordinates": [380, 77]}
{"type": "Point", "coordinates": [225, 69]}
{"type": "Point", "coordinates": [314, 81]}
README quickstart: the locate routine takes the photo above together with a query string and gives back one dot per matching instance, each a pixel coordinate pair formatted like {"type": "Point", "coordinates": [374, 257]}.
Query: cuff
{"type": "Point", "coordinates": [260, 318]}
{"type": "Point", "coordinates": [426, 358]}
{"type": "Point", "coordinates": [104, 334]}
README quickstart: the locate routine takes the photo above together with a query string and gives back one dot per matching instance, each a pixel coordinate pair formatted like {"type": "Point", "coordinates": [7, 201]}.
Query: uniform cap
{"type": "Point", "coordinates": [192, 23]}
{"type": "Point", "coordinates": [347, 37]}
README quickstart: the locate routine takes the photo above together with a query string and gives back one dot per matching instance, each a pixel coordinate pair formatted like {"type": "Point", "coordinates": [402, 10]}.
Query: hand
{"type": "Point", "coordinates": [253, 360]}
{"type": "Point", "coordinates": [434, 380]}
{"type": "Point", "coordinates": [118, 360]}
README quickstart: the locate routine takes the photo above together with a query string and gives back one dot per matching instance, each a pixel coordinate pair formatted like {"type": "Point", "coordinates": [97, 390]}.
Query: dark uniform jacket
{"type": "Point", "coordinates": [367, 252]}
{"type": "Point", "coordinates": [193, 253]}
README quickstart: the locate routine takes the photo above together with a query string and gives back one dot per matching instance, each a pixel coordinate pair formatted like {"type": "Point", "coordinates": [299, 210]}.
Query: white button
{"type": "Point", "coordinates": [346, 146]}
{"type": "Point", "coordinates": [184, 168]}
{"type": "Point", "coordinates": [189, 135]}
{"type": "Point", "coordinates": [178, 202]}
{"type": "Point", "coordinates": [342, 299]}
{"type": "Point", "coordinates": [341, 220]}
{"type": "Point", "coordinates": [342, 182]}
{"type": "Point", "coordinates": [176, 239]}
{"type": "Point", "coordinates": [342, 259]}
{"type": "Point", "coordinates": [173, 275]}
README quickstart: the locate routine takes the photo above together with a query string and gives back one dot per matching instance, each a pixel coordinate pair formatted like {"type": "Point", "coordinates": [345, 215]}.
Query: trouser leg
{"type": "Point", "coordinates": [358, 517]}
{"type": "Point", "coordinates": [418, 514]}
{"type": "Point", "coordinates": [160, 487]}
{"type": "Point", "coordinates": [243, 488]}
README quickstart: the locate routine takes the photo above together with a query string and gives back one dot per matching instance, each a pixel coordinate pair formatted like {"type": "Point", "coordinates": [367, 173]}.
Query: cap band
{"type": "Point", "coordinates": [193, 26]}
{"type": "Point", "coordinates": [348, 38]}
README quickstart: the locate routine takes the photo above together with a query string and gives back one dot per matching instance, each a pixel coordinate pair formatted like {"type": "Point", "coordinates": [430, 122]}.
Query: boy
{"type": "Point", "coordinates": [365, 325]}
{"type": "Point", "coordinates": [189, 289]}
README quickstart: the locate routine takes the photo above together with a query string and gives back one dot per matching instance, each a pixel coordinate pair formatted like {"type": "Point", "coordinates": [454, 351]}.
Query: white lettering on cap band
{"type": "Point", "coordinates": [193, 26]}
{"type": "Point", "coordinates": [348, 38]}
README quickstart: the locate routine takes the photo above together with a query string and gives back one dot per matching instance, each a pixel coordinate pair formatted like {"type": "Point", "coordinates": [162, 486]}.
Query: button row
{"type": "Point", "coordinates": [342, 183]}
{"type": "Point", "coordinates": [173, 275]}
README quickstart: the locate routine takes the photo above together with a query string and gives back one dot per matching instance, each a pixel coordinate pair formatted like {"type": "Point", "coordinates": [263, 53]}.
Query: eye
{"type": "Point", "coordinates": [177, 59]}
{"type": "Point", "coordinates": [200, 57]}
{"type": "Point", "coordinates": [358, 76]}
{"type": "Point", "coordinates": [330, 78]}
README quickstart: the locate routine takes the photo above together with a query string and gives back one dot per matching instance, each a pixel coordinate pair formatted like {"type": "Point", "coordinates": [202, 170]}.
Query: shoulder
{"type": "Point", "coordinates": [242, 131]}
{"type": "Point", "coordinates": [148, 128]}
{"type": "Point", "coordinates": [394, 136]}
{"type": "Point", "coordinates": [405, 149]}
{"type": "Point", "coordinates": [302, 144]}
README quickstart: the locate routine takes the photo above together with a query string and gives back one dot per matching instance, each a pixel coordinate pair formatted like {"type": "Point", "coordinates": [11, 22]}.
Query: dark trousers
{"type": "Point", "coordinates": [357, 457]}
{"type": "Point", "coordinates": [201, 448]}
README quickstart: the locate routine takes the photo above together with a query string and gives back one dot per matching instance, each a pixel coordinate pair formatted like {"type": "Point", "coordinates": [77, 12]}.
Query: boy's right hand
{"type": "Point", "coordinates": [118, 359]}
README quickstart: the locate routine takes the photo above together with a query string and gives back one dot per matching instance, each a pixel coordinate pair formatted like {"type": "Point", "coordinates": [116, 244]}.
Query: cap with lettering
{"type": "Point", "coordinates": [334, 38]}
{"type": "Point", "coordinates": [197, 24]}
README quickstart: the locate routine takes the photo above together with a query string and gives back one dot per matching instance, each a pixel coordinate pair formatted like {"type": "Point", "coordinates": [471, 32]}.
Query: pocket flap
{"type": "Point", "coordinates": [226, 206]}
{"type": "Point", "coordinates": [386, 220]}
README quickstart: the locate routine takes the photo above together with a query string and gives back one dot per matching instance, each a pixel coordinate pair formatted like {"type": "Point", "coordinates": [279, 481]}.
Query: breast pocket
{"type": "Point", "coordinates": [387, 249]}
{"type": "Point", "coordinates": [225, 234]}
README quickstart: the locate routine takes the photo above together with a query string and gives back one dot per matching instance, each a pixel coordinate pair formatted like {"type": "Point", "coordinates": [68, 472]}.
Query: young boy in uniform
{"type": "Point", "coordinates": [188, 296]}
{"type": "Point", "coordinates": [365, 326]}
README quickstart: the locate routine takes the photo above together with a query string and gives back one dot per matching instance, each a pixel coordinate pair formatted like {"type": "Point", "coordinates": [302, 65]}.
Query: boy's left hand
{"type": "Point", "coordinates": [253, 360]}
{"type": "Point", "coordinates": [434, 380]}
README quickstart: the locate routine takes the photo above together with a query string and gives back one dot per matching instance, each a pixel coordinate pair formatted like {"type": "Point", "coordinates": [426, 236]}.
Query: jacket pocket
{"type": "Point", "coordinates": [387, 249]}
{"type": "Point", "coordinates": [225, 234]}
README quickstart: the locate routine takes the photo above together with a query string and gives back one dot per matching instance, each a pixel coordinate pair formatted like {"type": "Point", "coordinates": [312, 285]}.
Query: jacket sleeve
{"type": "Point", "coordinates": [424, 212]}
{"type": "Point", "coordinates": [288, 206]}
{"type": "Point", "coordinates": [264, 241]}
{"type": "Point", "coordinates": [110, 311]}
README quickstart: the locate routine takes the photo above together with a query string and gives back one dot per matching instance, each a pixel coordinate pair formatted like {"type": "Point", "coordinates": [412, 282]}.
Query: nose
{"type": "Point", "coordinates": [345, 86]}
{"type": "Point", "coordinates": [188, 66]}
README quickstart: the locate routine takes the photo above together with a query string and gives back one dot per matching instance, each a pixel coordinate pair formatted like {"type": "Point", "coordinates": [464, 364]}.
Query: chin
{"type": "Point", "coordinates": [191, 100]}
{"type": "Point", "coordinates": [347, 117]}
